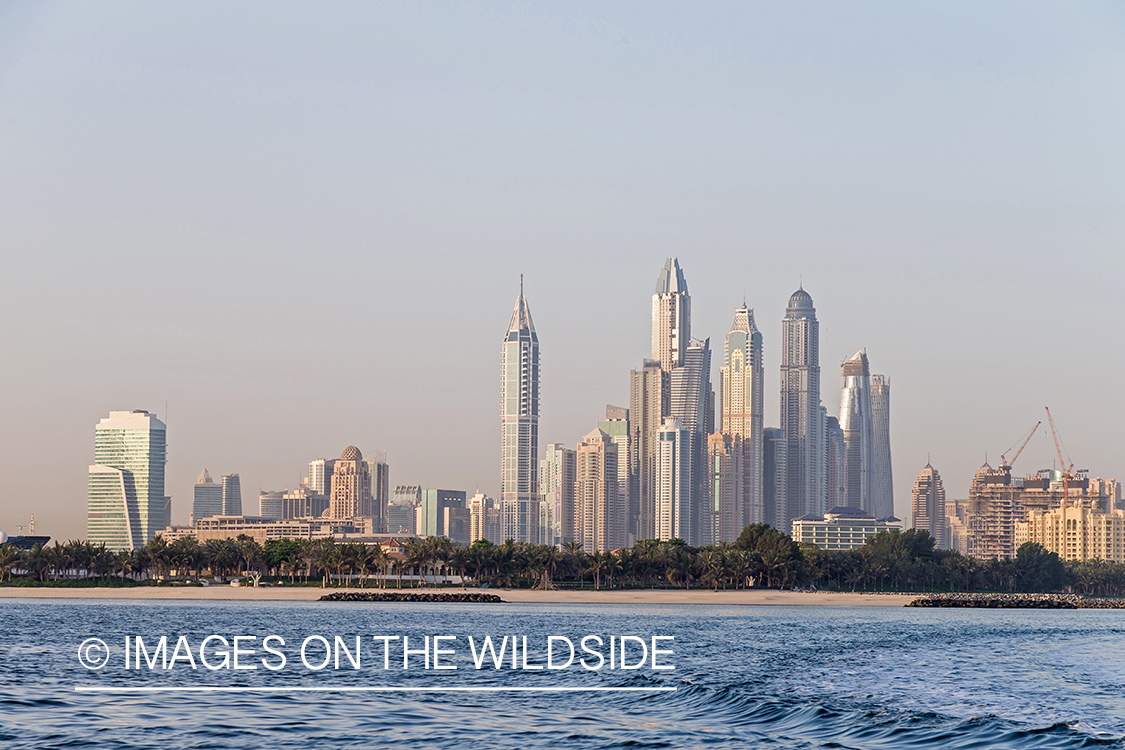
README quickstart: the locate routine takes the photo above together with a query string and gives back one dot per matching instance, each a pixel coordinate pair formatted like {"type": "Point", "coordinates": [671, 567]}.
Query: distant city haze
{"type": "Point", "coordinates": [290, 229]}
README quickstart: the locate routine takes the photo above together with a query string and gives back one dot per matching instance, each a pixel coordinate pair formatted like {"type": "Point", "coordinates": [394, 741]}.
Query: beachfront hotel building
{"type": "Point", "coordinates": [841, 528]}
{"type": "Point", "coordinates": [519, 426]}
{"type": "Point", "coordinates": [125, 500]}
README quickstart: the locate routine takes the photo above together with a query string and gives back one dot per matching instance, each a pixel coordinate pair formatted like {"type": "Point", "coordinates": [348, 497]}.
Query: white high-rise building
{"type": "Point", "coordinates": [519, 426]}
{"type": "Point", "coordinates": [597, 503]}
{"type": "Point", "coordinates": [674, 481]}
{"type": "Point", "coordinates": [671, 316]}
{"type": "Point", "coordinates": [882, 494]}
{"type": "Point", "coordinates": [802, 417]}
{"type": "Point", "coordinates": [232, 495]}
{"type": "Point", "coordinates": [319, 479]}
{"type": "Point", "coordinates": [556, 478]}
{"type": "Point", "coordinates": [125, 502]}
{"type": "Point", "coordinates": [742, 383]}
{"type": "Point", "coordinates": [859, 431]}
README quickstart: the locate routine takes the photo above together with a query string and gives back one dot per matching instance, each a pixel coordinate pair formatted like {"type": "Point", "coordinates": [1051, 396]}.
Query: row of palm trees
{"type": "Point", "coordinates": [762, 556]}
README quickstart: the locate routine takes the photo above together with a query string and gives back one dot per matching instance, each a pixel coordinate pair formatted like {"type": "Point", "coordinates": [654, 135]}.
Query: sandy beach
{"type": "Point", "coordinates": [758, 597]}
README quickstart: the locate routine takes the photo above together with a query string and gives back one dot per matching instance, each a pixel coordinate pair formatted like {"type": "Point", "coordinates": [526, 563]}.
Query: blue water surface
{"type": "Point", "coordinates": [779, 677]}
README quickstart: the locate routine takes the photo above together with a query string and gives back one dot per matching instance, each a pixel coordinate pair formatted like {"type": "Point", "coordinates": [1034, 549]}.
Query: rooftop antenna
{"type": "Point", "coordinates": [31, 528]}
{"type": "Point", "coordinates": [521, 284]}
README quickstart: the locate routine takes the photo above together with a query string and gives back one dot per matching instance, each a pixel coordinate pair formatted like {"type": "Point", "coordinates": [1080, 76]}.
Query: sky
{"type": "Point", "coordinates": [293, 227]}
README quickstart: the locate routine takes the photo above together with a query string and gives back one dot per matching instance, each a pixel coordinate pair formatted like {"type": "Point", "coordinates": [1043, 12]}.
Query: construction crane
{"type": "Point", "coordinates": [1068, 472]}
{"type": "Point", "coordinates": [1004, 463]}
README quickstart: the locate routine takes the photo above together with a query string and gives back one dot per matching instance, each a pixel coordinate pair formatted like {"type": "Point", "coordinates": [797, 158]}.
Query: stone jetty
{"type": "Point", "coordinates": [1017, 601]}
{"type": "Point", "coordinates": [407, 596]}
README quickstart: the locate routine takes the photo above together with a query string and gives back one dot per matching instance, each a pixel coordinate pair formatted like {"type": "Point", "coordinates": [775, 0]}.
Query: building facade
{"type": "Point", "coordinates": [836, 455]}
{"type": "Point", "coordinates": [742, 389]}
{"type": "Point", "coordinates": [674, 482]}
{"type": "Point", "coordinates": [841, 528]}
{"type": "Point", "coordinates": [649, 403]}
{"type": "Point", "coordinates": [125, 495]}
{"type": "Point", "coordinates": [1079, 531]}
{"type": "Point", "coordinates": [207, 499]}
{"type": "Point", "coordinates": [519, 426]}
{"type": "Point", "coordinates": [270, 504]}
{"type": "Point", "coordinates": [859, 430]}
{"type": "Point", "coordinates": [774, 475]}
{"type": "Point", "coordinates": [232, 495]}
{"type": "Point", "coordinates": [557, 477]}
{"type": "Point", "coordinates": [351, 486]}
{"type": "Point", "coordinates": [802, 417]}
{"type": "Point", "coordinates": [671, 316]}
{"type": "Point", "coordinates": [724, 512]}
{"type": "Point", "coordinates": [927, 505]}
{"type": "Point", "coordinates": [598, 511]}
{"type": "Point", "coordinates": [380, 474]}
{"type": "Point", "coordinates": [616, 426]}
{"type": "Point", "coordinates": [430, 513]}
{"type": "Point", "coordinates": [882, 492]}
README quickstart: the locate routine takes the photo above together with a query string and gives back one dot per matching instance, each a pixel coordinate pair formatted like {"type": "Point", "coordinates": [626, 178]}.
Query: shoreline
{"type": "Point", "coordinates": [752, 597]}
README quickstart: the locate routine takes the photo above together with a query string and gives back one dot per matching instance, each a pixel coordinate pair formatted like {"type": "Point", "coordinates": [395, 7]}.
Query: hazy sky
{"type": "Point", "coordinates": [302, 226]}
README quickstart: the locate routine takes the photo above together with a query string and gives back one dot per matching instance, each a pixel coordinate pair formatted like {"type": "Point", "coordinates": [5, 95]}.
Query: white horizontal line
{"type": "Point", "coordinates": [372, 689]}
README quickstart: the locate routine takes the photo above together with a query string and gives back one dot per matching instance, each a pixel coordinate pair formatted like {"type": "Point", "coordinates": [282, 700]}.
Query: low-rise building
{"type": "Point", "coordinates": [841, 528]}
{"type": "Point", "coordinates": [262, 530]}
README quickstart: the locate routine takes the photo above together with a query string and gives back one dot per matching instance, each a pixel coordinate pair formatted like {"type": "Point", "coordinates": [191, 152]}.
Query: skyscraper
{"type": "Point", "coordinates": [380, 491]}
{"type": "Point", "coordinates": [671, 316]}
{"type": "Point", "coordinates": [836, 450]}
{"type": "Point", "coordinates": [271, 504]}
{"type": "Point", "coordinates": [126, 481]}
{"type": "Point", "coordinates": [319, 480]}
{"type": "Point", "coordinates": [693, 404]}
{"type": "Point", "coordinates": [882, 494]}
{"type": "Point", "coordinates": [232, 495]}
{"type": "Point", "coordinates": [649, 401]}
{"type": "Point", "coordinates": [351, 485]}
{"type": "Point", "coordinates": [616, 425]}
{"type": "Point", "coordinates": [742, 381]}
{"type": "Point", "coordinates": [801, 417]}
{"type": "Point", "coordinates": [674, 481]}
{"type": "Point", "coordinates": [928, 506]}
{"type": "Point", "coordinates": [859, 431]}
{"type": "Point", "coordinates": [519, 426]}
{"type": "Point", "coordinates": [207, 499]}
{"type": "Point", "coordinates": [597, 504]}
{"type": "Point", "coordinates": [723, 511]}
{"type": "Point", "coordinates": [774, 473]}
{"type": "Point", "coordinates": [556, 476]}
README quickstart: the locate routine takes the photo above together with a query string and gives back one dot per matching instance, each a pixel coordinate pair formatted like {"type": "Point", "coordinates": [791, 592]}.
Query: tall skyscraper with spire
{"type": "Point", "coordinates": [802, 419]}
{"type": "Point", "coordinates": [671, 316]}
{"type": "Point", "coordinates": [519, 427]}
{"type": "Point", "coordinates": [859, 430]}
{"type": "Point", "coordinates": [742, 381]}
{"type": "Point", "coordinates": [928, 506]}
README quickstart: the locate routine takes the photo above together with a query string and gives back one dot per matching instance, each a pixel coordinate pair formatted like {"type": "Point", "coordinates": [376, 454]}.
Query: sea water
{"type": "Point", "coordinates": [779, 677]}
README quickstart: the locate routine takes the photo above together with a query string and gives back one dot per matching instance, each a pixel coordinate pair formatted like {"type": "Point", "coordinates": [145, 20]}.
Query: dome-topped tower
{"type": "Point", "coordinates": [801, 300]}
{"type": "Point", "coordinates": [351, 453]}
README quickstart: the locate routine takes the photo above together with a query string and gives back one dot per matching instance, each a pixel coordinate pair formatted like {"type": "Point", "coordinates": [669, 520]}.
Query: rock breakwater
{"type": "Point", "coordinates": [1017, 601]}
{"type": "Point", "coordinates": [406, 596]}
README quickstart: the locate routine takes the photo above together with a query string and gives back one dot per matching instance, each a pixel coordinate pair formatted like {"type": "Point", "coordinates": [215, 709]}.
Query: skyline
{"type": "Point", "coordinates": [300, 250]}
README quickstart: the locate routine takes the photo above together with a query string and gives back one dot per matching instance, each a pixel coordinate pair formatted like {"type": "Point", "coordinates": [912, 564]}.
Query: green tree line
{"type": "Point", "coordinates": [761, 557]}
